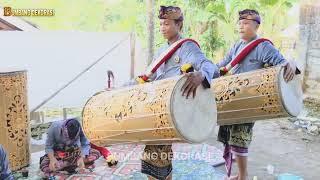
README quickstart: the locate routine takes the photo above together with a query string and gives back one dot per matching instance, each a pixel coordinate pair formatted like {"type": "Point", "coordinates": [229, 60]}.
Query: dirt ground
{"type": "Point", "coordinates": [280, 144]}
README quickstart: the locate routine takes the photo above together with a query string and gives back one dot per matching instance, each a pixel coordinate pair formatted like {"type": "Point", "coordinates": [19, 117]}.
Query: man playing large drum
{"type": "Point", "coordinates": [250, 53]}
{"type": "Point", "coordinates": [171, 21]}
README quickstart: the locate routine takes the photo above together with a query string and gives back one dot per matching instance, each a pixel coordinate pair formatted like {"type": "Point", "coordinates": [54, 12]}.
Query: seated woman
{"type": "Point", "coordinates": [5, 172]}
{"type": "Point", "coordinates": [67, 148]}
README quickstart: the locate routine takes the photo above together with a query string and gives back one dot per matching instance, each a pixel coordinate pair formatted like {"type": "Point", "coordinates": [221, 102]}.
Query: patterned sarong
{"type": "Point", "coordinates": [157, 161]}
{"type": "Point", "coordinates": [236, 139]}
{"type": "Point", "coordinates": [67, 160]}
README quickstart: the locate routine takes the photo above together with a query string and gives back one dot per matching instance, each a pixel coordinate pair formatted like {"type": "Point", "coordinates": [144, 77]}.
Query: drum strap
{"type": "Point", "coordinates": [103, 150]}
{"type": "Point", "coordinates": [164, 57]}
{"type": "Point", "coordinates": [240, 57]}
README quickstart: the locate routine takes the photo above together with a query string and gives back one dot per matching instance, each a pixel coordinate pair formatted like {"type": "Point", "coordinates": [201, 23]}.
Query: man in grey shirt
{"type": "Point", "coordinates": [66, 148]}
{"type": "Point", "coordinates": [239, 136]}
{"type": "Point", "coordinates": [171, 21]}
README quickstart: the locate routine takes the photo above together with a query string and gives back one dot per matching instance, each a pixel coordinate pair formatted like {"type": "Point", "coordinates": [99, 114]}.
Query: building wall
{"type": "Point", "coordinates": [310, 47]}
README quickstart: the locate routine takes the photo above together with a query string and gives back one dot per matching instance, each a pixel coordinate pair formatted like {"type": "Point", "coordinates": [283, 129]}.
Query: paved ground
{"type": "Point", "coordinates": [280, 144]}
{"type": "Point", "coordinates": [191, 162]}
{"type": "Point", "coordinates": [277, 143]}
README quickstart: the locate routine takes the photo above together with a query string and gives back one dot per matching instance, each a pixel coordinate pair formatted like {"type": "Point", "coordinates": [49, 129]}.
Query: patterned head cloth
{"type": "Point", "coordinates": [249, 12]}
{"type": "Point", "coordinates": [71, 129]}
{"type": "Point", "coordinates": [170, 12]}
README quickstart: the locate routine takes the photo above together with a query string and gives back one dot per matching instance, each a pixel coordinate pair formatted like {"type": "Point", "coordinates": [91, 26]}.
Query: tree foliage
{"type": "Point", "coordinates": [212, 22]}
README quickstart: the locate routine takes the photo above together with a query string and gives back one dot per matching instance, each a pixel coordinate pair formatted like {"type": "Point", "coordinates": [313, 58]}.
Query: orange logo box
{"type": "Point", "coordinates": [7, 11]}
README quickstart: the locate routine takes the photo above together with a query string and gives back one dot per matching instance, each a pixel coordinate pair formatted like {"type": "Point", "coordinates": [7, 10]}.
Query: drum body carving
{"type": "Point", "coordinates": [151, 113]}
{"type": "Point", "coordinates": [256, 95]}
{"type": "Point", "coordinates": [14, 119]}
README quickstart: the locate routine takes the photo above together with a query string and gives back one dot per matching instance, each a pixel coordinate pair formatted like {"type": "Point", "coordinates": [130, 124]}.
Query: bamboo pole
{"type": "Point", "coordinates": [80, 74]}
{"type": "Point", "coordinates": [132, 53]}
{"type": "Point", "coordinates": [150, 21]}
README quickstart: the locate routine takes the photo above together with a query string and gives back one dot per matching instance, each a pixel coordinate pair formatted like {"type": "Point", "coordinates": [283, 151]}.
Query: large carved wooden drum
{"type": "Point", "coordinates": [14, 120]}
{"type": "Point", "coordinates": [256, 95]}
{"type": "Point", "coordinates": [151, 113]}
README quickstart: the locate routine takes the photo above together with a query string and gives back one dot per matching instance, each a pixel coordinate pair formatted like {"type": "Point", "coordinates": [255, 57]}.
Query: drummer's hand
{"type": "Point", "coordinates": [289, 70]}
{"type": "Point", "coordinates": [194, 79]}
{"type": "Point", "coordinates": [53, 164]}
{"type": "Point", "coordinates": [80, 163]}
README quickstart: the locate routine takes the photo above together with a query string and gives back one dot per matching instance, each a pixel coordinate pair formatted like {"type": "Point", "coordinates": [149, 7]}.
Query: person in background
{"type": "Point", "coordinates": [5, 172]}
{"type": "Point", "coordinates": [67, 148]}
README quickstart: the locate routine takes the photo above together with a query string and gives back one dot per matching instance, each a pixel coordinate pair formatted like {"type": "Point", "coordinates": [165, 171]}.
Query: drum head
{"type": "Point", "coordinates": [195, 119]}
{"type": "Point", "coordinates": [291, 94]}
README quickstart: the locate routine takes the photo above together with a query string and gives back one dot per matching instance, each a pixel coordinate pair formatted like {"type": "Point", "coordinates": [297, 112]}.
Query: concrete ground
{"type": "Point", "coordinates": [279, 144]}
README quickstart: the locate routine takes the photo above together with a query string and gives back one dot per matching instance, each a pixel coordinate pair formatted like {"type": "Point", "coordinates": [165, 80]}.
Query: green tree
{"type": "Point", "coordinates": [212, 22]}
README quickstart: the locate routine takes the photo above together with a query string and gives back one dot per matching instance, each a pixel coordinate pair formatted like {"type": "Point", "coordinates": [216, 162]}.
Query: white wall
{"type": "Point", "coordinates": [54, 58]}
{"type": "Point", "coordinates": [310, 48]}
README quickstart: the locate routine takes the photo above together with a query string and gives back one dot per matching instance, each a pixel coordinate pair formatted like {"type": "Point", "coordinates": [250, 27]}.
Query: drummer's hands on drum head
{"type": "Point", "coordinates": [289, 70]}
{"type": "Point", "coordinates": [194, 79]}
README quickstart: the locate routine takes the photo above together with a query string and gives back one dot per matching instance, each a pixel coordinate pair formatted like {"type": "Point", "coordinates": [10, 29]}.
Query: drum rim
{"type": "Point", "coordinates": [9, 71]}
{"type": "Point", "coordinates": [84, 107]}
{"type": "Point", "coordinates": [170, 108]}
{"type": "Point", "coordinates": [280, 73]}
{"type": "Point", "coordinates": [173, 118]}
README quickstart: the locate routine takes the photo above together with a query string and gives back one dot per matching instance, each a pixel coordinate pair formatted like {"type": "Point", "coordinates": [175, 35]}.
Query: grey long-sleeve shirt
{"type": "Point", "coordinates": [264, 53]}
{"type": "Point", "coordinates": [56, 140]}
{"type": "Point", "coordinates": [189, 52]}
